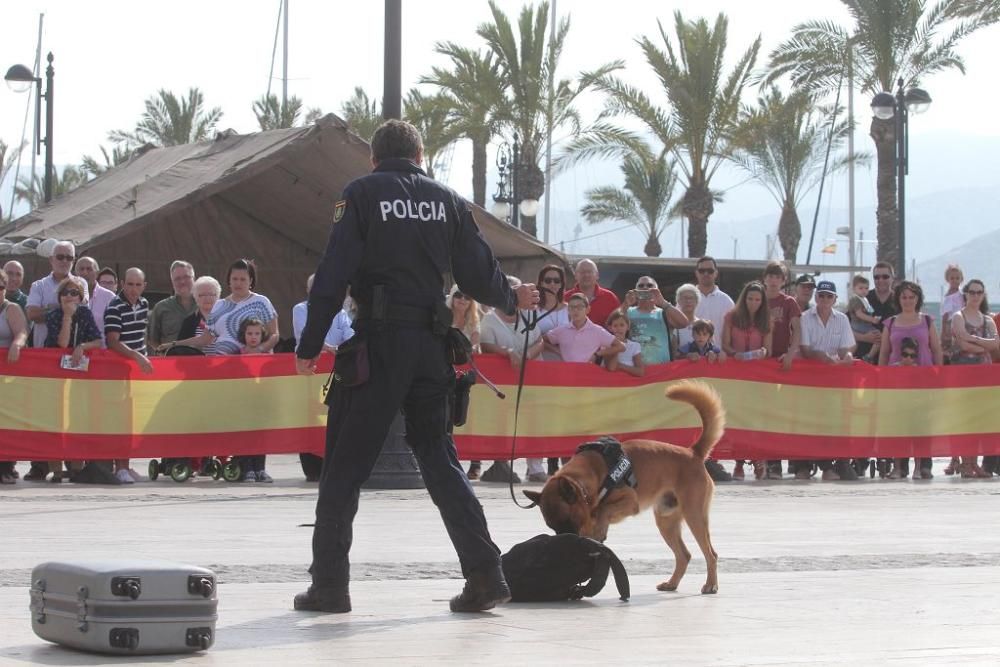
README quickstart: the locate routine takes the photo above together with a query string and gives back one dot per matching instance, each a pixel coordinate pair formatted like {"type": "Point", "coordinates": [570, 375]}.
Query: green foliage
{"type": "Point", "coordinates": [432, 116]}
{"type": "Point", "coordinates": [362, 114]}
{"type": "Point", "coordinates": [92, 168]}
{"type": "Point", "coordinates": [273, 115]}
{"type": "Point", "coordinates": [171, 121]}
{"type": "Point", "coordinates": [32, 191]}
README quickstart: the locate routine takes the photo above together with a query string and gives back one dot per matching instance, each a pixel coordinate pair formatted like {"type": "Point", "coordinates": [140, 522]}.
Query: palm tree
{"type": "Point", "coordinates": [431, 115]}
{"type": "Point", "coordinates": [782, 143]}
{"type": "Point", "coordinates": [171, 121]}
{"type": "Point", "coordinates": [8, 156]}
{"type": "Point", "coordinates": [91, 168]}
{"type": "Point", "coordinates": [272, 114]}
{"type": "Point", "coordinates": [705, 104]}
{"type": "Point", "coordinates": [528, 63]}
{"type": "Point", "coordinates": [644, 201]}
{"type": "Point", "coordinates": [885, 41]}
{"type": "Point", "coordinates": [362, 114]}
{"type": "Point", "coordinates": [33, 191]}
{"type": "Point", "coordinates": [474, 89]}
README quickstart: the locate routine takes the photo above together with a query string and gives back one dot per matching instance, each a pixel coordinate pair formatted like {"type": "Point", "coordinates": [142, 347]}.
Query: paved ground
{"type": "Point", "coordinates": [874, 572]}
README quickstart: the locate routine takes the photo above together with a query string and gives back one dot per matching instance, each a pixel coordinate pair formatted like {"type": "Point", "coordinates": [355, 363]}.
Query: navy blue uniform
{"type": "Point", "coordinates": [401, 230]}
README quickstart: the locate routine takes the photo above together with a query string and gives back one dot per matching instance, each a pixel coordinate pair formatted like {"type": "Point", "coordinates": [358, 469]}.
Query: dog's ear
{"type": "Point", "coordinates": [534, 496]}
{"type": "Point", "coordinates": [567, 491]}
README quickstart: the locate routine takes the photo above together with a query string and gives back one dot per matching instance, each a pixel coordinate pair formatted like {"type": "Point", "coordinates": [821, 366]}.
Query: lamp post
{"type": "Point", "coordinates": [899, 106]}
{"type": "Point", "coordinates": [19, 78]}
{"type": "Point", "coordinates": [507, 202]}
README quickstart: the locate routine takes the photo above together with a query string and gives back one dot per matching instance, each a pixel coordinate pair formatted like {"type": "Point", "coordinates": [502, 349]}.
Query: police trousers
{"type": "Point", "coordinates": [408, 371]}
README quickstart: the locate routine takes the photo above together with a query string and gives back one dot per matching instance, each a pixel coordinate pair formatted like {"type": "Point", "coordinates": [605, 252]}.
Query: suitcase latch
{"type": "Point", "coordinates": [126, 638]}
{"type": "Point", "coordinates": [199, 584]}
{"type": "Point", "coordinates": [81, 608]}
{"type": "Point", "coordinates": [199, 638]}
{"type": "Point", "coordinates": [130, 587]}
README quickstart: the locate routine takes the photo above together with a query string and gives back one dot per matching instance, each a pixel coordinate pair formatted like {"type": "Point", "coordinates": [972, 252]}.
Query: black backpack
{"type": "Point", "coordinates": [550, 568]}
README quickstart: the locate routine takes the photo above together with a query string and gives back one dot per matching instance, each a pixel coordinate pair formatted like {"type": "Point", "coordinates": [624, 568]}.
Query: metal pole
{"type": "Point", "coordinates": [850, 153]}
{"type": "Point", "coordinates": [548, 136]}
{"type": "Point", "coordinates": [49, 167]}
{"type": "Point", "coordinates": [901, 128]}
{"type": "Point", "coordinates": [514, 193]}
{"type": "Point", "coordinates": [392, 95]}
{"type": "Point", "coordinates": [284, 63]}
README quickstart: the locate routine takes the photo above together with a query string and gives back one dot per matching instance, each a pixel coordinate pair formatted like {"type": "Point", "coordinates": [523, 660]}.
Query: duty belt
{"type": "Point", "coordinates": [398, 313]}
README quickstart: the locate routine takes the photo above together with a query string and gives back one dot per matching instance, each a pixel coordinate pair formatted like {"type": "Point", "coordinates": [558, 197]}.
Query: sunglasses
{"type": "Point", "coordinates": [882, 276]}
{"type": "Point", "coordinates": [64, 258]}
{"type": "Point", "coordinates": [706, 272]}
{"type": "Point", "coordinates": [975, 292]}
{"type": "Point", "coordinates": [552, 280]}
{"type": "Point", "coordinates": [646, 286]}
{"type": "Point", "coordinates": [71, 292]}
{"type": "Point", "coordinates": [459, 295]}
{"type": "Point", "coordinates": [909, 355]}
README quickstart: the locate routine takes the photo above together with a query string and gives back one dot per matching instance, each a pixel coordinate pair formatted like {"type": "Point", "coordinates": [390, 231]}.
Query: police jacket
{"type": "Point", "coordinates": [398, 228]}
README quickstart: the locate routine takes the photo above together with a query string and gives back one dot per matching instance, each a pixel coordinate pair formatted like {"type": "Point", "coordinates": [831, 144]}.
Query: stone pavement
{"type": "Point", "coordinates": [874, 572]}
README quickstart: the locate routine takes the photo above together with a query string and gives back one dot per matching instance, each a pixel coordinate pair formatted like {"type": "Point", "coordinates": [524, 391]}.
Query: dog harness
{"type": "Point", "coordinates": [619, 465]}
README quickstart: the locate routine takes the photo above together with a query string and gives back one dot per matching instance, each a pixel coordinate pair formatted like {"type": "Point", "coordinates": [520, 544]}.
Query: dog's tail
{"type": "Point", "coordinates": [706, 401]}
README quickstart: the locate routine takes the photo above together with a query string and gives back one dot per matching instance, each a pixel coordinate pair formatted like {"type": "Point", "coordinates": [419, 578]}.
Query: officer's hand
{"type": "Point", "coordinates": [305, 366]}
{"type": "Point", "coordinates": [527, 296]}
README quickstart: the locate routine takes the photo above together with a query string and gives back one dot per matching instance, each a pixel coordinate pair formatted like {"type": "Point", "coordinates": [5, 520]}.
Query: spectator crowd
{"type": "Point", "coordinates": [78, 307]}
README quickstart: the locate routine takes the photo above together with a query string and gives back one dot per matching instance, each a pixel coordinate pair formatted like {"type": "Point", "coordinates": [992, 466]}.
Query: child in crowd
{"type": "Point", "coordinates": [861, 313]}
{"type": "Point", "coordinates": [952, 303]}
{"type": "Point", "coordinates": [909, 353]}
{"type": "Point", "coordinates": [701, 345]}
{"type": "Point", "coordinates": [252, 335]}
{"type": "Point", "coordinates": [629, 361]}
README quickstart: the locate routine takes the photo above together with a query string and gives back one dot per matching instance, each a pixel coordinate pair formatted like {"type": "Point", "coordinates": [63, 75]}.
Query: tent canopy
{"type": "Point", "coordinates": [267, 196]}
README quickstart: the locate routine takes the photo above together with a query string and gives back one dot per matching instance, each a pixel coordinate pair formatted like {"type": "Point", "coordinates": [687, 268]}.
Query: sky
{"type": "Point", "coordinates": [110, 55]}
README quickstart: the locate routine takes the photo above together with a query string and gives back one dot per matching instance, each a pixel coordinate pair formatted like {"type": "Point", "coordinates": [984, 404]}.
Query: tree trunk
{"type": "Point", "coordinates": [697, 207]}
{"type": "Point", "coordinates": [789, 231]}
{"type": "Point", "coordinates": [653, 247]}
{"type": "Point", "coordinates": [887, 213]}
{"type": "Point", "coordinates": [479, 171]}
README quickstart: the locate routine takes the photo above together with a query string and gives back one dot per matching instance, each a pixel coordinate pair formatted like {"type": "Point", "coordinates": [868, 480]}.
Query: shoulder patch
{"type": "Point", "coordinates": [338, 210]}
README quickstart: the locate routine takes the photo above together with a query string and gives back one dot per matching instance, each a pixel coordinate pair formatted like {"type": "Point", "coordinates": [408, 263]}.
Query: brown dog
{"type": "Point", "coordinates": [670, 479]}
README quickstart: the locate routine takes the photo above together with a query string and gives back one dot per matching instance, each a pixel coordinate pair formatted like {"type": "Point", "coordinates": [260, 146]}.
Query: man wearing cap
{"type": "Point", "coordinates": [827, 337]}
{"type": "Point", "coordinates": [805, 285]}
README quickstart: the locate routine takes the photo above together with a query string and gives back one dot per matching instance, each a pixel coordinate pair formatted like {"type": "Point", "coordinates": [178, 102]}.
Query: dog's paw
{"type": "Point", "coordinates": [666, 586]}
{"type": "Point", "coordinates": [709, 589]}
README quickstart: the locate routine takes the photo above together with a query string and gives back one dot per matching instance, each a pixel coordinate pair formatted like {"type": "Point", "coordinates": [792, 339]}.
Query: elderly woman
{"type": "Point", "coordinates": [72, 327]}
{"type": "Point", "coordinates": [207, 292]}
{"type": "Point", "coordinates": [687, 301]}
{"type": "Point", "coordinates": [13, 336]}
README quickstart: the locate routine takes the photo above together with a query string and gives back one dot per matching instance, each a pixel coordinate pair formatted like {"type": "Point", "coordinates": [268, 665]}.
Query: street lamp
{"type": "Point", "coordinates": [899, 106]}
{"type": "Point", "coordinates": [507, 203]}
{"type": "Point", "coordinates": [19, 79]}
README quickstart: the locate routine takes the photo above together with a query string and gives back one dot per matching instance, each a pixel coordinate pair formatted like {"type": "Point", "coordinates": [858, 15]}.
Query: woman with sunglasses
{"type": "Point", "coordinates": [910, 324]}
{"type": "Point", "coordinates": [464, 315]}
{"type": "Point", "coordinates": [974, 338]}
{"type": "Point", "coordinates": [71, 326]}
{"type": "Point", "coordinates": [551, 288]}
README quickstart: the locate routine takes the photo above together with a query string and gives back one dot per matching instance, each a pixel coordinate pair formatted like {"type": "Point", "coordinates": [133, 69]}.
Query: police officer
{"type": "Point", "coordinates": [395, 233]}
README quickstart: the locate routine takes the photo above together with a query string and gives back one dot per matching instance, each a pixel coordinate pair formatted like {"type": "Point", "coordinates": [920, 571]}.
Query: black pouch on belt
{"type": "Point", "coordinates": [350, 366]}
{"type": "Point", "coordinates": [460, 397]}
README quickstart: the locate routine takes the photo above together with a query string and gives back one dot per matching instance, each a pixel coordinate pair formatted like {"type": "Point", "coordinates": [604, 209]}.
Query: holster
{"type": "Point", "coordinates": [350, 364]}
{"type": "Point", "coordinates": [460, 397]}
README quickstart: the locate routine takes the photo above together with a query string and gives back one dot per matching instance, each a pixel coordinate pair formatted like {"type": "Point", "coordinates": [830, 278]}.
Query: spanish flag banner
{"type": "Point", "coordinates": [195, 406]}
{"type": "Point", "coordinates": [830, 248]}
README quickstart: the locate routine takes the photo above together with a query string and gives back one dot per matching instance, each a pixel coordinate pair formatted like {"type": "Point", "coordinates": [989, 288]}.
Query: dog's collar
{"type": "Point", "coordinates": [619, 465]}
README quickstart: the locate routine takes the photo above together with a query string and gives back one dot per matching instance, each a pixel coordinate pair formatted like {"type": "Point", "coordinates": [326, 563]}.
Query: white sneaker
{"type": "Point", "coordinates": [124, 477]}
{"type": "Point", "coordinates": [262, 476]}
{"type": "Point", "coordinates": [250, 476]}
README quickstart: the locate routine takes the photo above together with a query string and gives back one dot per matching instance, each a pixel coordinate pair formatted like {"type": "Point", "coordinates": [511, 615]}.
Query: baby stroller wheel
{"type": "Point", "coordinates": [232, 471]}
{"type": "Point", "coordinates": [180, 472]}
{"type": "Point", "coordinates": [153, 470]}
{"type": "Point", "coordinates": [212, 468]}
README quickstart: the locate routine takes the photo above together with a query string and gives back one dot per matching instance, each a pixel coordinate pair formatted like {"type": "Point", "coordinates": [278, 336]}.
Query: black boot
{"type": "Point", "coordinates": [717, 472]}
{"type": "Point", "coordinates": [483, 590]}
{"type": "Point", "coordinates": [332, 602]}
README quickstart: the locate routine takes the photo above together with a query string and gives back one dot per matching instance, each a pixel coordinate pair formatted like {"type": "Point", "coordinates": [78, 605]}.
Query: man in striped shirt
{"type": "Point", "coordinates": [125, 322]}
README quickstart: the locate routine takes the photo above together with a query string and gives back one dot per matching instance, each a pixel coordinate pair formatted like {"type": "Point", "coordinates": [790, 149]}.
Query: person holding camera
{"type": "Point", "coordinates": [651, 319]}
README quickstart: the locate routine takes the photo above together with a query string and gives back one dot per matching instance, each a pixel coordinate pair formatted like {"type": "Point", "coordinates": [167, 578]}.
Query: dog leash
{"type": "Point", "coordinates": [528, 327]}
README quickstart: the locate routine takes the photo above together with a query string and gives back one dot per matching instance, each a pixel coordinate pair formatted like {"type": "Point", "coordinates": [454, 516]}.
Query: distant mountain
{"type": "Point", "coordinates": [978, 258]}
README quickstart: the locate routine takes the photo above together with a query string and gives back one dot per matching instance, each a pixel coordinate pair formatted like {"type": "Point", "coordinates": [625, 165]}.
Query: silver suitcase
{"type": "Point", "coordinates": [124, 606]}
